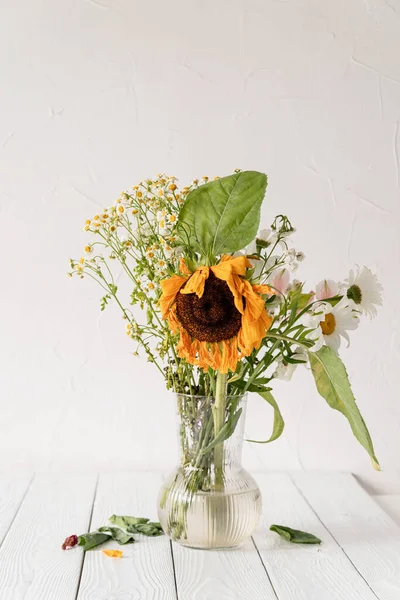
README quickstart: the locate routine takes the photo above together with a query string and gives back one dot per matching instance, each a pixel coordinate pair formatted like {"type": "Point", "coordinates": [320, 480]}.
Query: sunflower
{"type": "Point", "coordinates": [219, 315]}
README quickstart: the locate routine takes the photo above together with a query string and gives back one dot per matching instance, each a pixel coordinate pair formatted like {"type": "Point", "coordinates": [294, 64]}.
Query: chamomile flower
{"type": "Point", "coordinates": [365, 290]}
{"type": "Point", "coordinates": [162, 226]}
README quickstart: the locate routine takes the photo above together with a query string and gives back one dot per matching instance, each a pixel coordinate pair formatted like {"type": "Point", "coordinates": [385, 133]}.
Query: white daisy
{"type": "Point", "coordinates": [365, 290]}
{"type": "Point", "coordinates": [335, 321]}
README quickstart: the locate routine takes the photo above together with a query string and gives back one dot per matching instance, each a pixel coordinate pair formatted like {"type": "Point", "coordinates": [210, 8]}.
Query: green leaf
{"type": "Point", "coordinates": [92, 539]}
{"type": "Point", "coordinates": [304, 300]}
{"type": "Point", "coordinates": [225, 432]}
{"type": "Point", "coordinates": [279, 423]}
{"type": "Point", "coordinates": [118, 535]}
{"type": "Point", "coordinates": [333, 384]}
{"type": "Point", "coordinates": [294, 535]}
{"type": "Point", "coordinates": [261, 381]}
{"type": "Point", "coordinates": [223, 215]}
{"type": "Point", "coordinates": [104, 301]}
{"type": "Point", "coordinates": [150, 529]}
{"type": "Point", "coordinates": [126, 522]}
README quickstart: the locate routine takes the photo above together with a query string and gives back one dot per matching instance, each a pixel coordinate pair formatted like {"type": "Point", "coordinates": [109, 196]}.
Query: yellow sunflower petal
{"type": "Point", "coordinates": [236, 264]}
{"type": "Point", "coordinates": [226, 272]}
{"type": "Point", "coordinates": [195, 284]}
{"type": "Point", "coordinates": [183, 267]}
{"type": "Point", "coordinates": [263, 290]}
{"type": "Point", "coordinates": [255, 321]}
{"type": "Point", "coordinates": [170, 287]}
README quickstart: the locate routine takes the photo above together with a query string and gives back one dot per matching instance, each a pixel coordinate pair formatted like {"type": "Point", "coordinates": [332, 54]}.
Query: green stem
{"type": "Point", "coordinates": [219, 418]}
{"type": "Point", "coordinates": [276, 336]}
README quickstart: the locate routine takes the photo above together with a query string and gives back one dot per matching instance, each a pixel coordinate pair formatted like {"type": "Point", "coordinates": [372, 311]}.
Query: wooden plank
{"type": "Point", "coordinates": [390, 503]}
{"type": "Point", "coordinates": [12, 491]}
{"type": "Point", "coordinates": [303, 572]}
{"type": "Point", "coordinates": [32, 564]}
{"type": "Point", "coordinates": [232, 574]}
{"type": "Point", "coordinates": [146, 569]}
{"type": "Point", "coordinates": [366, 533]}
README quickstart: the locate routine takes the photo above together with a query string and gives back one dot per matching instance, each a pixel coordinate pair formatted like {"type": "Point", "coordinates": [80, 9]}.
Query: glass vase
{"type": "Point", "coordinates": [210, 501]}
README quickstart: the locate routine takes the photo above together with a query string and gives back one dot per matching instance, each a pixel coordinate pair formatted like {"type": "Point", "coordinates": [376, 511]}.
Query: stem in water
{"type": "Point", "coordinates": [219, 419]}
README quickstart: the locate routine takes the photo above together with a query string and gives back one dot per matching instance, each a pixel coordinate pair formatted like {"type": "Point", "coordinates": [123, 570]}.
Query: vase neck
{"type": "Point", "coordinates": [198, 444]}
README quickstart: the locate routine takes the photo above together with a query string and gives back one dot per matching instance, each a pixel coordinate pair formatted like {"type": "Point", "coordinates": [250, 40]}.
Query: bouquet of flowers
{"type": "Point", "coordinates": [213, 306]}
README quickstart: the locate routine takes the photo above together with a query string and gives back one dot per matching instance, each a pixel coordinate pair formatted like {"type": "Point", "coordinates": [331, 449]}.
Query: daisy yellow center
{"type": "Point", "coordinates": [328, 325]}
{"type": "Point", "coordinates": [213, 317]}
{"type": "Point", "coordinates": [354, 293]}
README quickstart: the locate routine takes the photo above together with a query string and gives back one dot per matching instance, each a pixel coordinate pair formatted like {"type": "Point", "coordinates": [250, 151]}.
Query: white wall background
{"type": "Point", "coordinates": [98, 94]}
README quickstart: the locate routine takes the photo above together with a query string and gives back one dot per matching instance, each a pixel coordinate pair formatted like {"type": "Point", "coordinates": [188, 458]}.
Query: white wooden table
{"type": "Point", "coordinates": [358, 560]}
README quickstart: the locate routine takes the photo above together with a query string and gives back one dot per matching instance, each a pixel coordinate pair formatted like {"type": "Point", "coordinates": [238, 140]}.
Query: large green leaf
{"type": "Point", "coordinates": [279, 423]}
{"type": "Point", "coordinates": [223, 215]}
{"type": "Point", "coordinates": [333, 384]}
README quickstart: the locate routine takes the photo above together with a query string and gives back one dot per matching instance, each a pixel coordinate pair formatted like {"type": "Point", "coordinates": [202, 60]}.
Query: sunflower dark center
{"type": "Point", "coordinates": [213, 317]}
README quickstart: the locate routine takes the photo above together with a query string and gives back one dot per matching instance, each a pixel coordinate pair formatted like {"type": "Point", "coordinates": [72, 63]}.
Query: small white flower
{"type": "Point", "coordinates": [290, 256]}
{"type": "Point", "coordinates": [266, 236]}
{"type": "Point", "coordinates": [151, 289]}
{"type": "Point", "coordinates": [293, 266]}
{"type": "Point", "coordinates": [327, 288]}
{"type": "Point", "coordinates": [285, 370]}
{"type": "Point", "coordinates": [300, 256]}
{"type": "Point", "coordinates": [145, 230]}
{"type": "Point", "coordinates": [365, 290]}
{"type": "Point", "coordinates": [286, 234]}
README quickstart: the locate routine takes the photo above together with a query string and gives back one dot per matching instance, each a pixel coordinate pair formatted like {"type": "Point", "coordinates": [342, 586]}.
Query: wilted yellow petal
{"type": "Point", "coordinates": [113, 553]}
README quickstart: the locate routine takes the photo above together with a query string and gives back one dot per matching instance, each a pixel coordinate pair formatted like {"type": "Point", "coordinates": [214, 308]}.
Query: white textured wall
{"type": "Point", "coordinates": [98, 94]}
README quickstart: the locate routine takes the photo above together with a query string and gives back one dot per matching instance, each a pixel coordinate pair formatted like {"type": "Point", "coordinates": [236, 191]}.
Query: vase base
{"type": "Point", "coordinates": [216, 548]}
{"type": "Point", "coordinates": [210, 520]}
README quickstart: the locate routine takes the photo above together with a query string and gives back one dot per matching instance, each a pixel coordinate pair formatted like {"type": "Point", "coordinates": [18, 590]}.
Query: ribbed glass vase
{"type": "Point", "coordinates": [210, 501]}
